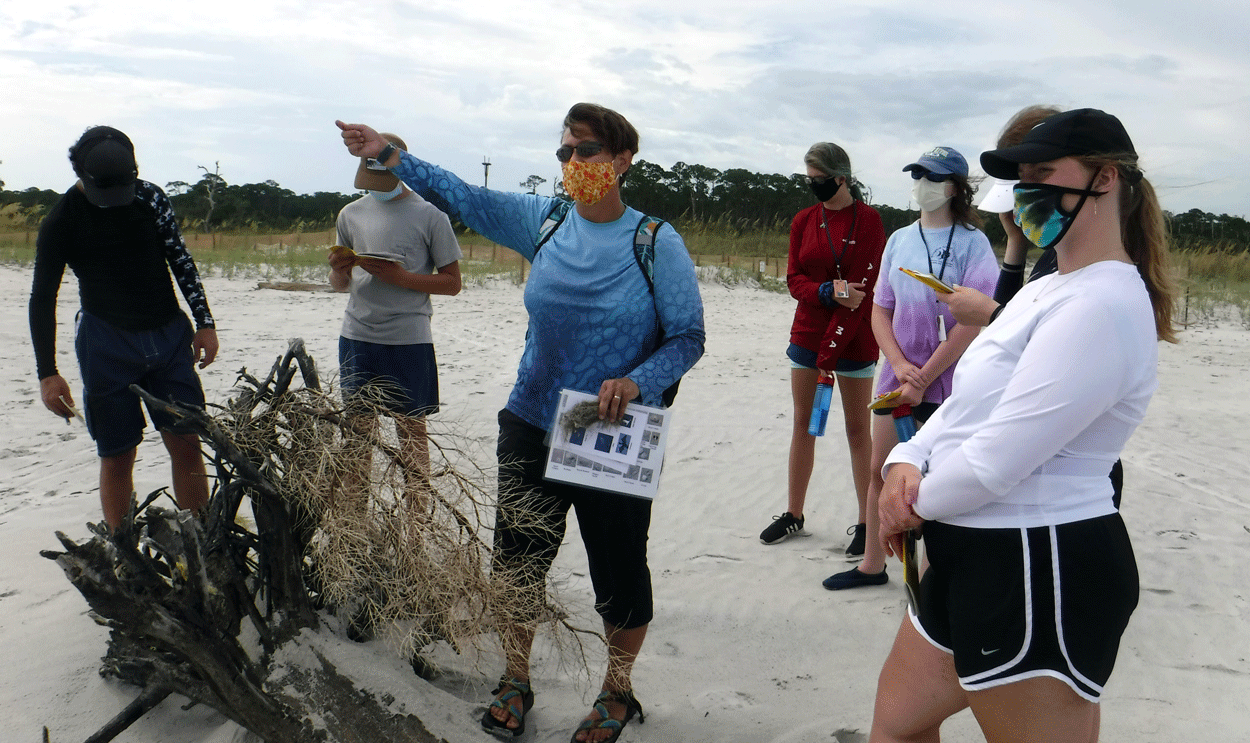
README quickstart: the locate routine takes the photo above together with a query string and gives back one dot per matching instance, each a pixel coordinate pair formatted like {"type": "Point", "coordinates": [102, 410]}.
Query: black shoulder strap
{"type": "Point", "coordinates": [644, 254]}
{"type": "Point", "coordinates": [555, 217]}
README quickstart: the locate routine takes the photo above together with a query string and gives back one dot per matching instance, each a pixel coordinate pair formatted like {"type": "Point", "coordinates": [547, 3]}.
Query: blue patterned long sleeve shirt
{"type": "Point", "coordinates": [592, 316]}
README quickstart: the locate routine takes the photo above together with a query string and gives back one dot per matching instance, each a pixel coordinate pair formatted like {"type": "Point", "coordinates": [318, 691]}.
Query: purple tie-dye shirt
{"type": "Point", "coordinates": [915, 309]}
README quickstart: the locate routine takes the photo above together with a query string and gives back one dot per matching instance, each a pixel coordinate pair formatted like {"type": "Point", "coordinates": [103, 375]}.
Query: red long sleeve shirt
{"type": "Point", "coordinates": [818, 255]}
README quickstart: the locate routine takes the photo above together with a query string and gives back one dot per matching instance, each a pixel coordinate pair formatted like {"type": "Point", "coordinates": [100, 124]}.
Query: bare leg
{"type": "Point", "coordinates": [1036, 710]}
{"type": "Point", "coordinates": [856, 394]}
{"type": "Point", "coordinates": [518, 639]}
{"type": "Point", "coordinates": [802, 443]}
{"type": "Point", "coordinates": [117, 487]}
{"type": "Point", "coordinates": [916, 691]}
{"type": "Point", "coordinates": [623, 648]}
{"type": "Point", "coordinates": [884, 437]}
{"type": "Point", "coordinates": [187, 470]}
{"type": "Point", "coordinates": [415, 446]}
{"type": "Point", "coordinates": [357, 461]}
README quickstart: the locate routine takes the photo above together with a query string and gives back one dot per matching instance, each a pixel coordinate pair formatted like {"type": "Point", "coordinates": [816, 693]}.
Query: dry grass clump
{"type": "Point", "coordinates": [396, 552]}
{"type": "Point", "coordinates": [1215, 284]}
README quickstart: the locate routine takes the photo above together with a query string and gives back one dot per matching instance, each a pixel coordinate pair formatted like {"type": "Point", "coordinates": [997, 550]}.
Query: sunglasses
{"type": "Point", "coordinates": [929, 175]}
{"type": "Point", "coordinates": [373, 164]}
{"type": "Point", "coordinates": [819, 180]}
{"type": "Point", "coordinates": [583, 149]}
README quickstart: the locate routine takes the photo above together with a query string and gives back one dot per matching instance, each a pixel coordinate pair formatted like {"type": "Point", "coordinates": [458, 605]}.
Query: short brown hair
{"type": "Point", "coordinates": [612, 130]}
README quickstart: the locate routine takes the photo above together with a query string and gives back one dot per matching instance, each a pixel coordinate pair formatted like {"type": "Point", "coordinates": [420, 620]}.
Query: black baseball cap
{"type": "Point", "coordinates": [104, 159]}
{"type": "Point", "coordinates": [1082, 131]}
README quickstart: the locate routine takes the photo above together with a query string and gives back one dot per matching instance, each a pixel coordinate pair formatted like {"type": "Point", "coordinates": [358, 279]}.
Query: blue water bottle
{"type": "Point", "coordinates": [820, 406]}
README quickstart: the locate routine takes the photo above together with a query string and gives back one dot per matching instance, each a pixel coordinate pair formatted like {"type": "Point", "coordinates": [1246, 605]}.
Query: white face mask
{"type": "Point", "coordinates": [930, 196]}
{"type": "Point", "coordinates": [387, 195]}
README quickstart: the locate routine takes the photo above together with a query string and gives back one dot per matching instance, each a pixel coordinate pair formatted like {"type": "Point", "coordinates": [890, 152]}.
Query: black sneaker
{"type": "Point", "coordinates": [856, 548]}
{"type": "Point", "coordinates": [782, 528]}
{"type": "Point", "coordinates": [855, 579]}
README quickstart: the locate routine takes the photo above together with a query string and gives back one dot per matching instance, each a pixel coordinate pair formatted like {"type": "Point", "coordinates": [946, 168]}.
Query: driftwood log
{"type": "Point", "coordinates": [202, 605]}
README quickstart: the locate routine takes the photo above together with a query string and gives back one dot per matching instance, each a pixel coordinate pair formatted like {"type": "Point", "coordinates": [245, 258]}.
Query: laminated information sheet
{"type": "Point", "coordinates": [620, 457]}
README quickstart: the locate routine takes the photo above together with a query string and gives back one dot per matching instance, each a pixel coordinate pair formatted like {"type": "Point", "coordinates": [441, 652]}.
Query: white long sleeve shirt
{"type": "Point", "coordinates": [1044, 401]}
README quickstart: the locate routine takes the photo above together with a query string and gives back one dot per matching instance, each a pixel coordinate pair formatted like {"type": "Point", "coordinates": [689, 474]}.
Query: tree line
{"type": "Point", "coordinates": [735, 200]}
{"type": "Point", "coordinates": [211, 204]}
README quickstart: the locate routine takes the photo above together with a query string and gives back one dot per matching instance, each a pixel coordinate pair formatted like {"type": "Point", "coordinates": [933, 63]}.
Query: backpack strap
{"type": "Point", "coordinates": [644, 248]}
{"type": "Point", "coordinates": [644, 254]}
{"type": "Point", "coordinates": [554, 218]}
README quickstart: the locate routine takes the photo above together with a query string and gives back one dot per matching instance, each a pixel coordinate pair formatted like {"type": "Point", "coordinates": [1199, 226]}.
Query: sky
{"type": "Point", "coordinates": [253, 88]}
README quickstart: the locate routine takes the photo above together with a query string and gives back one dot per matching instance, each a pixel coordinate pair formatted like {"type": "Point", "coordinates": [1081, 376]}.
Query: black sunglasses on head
{"type": "Point", "coordinates": [929, 175]}
{"type": "Point", "coordinates": [584, 149]}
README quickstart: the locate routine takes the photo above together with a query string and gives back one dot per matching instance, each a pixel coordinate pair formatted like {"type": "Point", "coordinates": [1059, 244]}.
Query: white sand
{"type": "Point", "coordinates": [746, 644]}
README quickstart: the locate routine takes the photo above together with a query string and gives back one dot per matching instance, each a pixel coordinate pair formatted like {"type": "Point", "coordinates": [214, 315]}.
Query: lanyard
{"type": "Point", "coordinates": [847, 241]}
{"type": "Point", "coordinates": [941, 319]}
{"type": "Point", "coordinates": [945, 256]}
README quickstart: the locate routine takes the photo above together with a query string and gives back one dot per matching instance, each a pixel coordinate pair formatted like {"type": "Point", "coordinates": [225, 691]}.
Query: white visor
{"type": "Point", "coordinates": [999, 198]}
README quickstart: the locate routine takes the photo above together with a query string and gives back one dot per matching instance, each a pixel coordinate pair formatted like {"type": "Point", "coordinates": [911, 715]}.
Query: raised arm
{"type": "Point", "coordinates": [510, 219]}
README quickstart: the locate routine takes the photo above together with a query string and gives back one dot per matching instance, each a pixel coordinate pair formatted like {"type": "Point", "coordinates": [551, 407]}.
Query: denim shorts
{"type": "Point", "coordinates": [111, 359]}
{"type": "Point", "coordinates": [803, 358]}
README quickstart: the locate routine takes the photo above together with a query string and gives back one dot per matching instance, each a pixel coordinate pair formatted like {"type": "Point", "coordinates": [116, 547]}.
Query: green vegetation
{"type": "Point", "coordinates": [1215, 281]}
{"type": "Point", "coordinates": [735, 223]}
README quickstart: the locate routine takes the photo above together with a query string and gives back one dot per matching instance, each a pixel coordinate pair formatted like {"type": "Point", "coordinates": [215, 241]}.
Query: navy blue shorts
{"type": "Point", "coordinates": [110, 360]}
{"type": "Point", "coordinates": [1013, 604]}
{"type": "Point", "coordinates": [613, 526]}
{"type": "Point", "coordinates": [406, 377]}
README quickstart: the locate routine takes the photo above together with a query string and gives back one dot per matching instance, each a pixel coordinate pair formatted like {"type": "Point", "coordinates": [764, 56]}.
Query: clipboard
{"type": "Point", "coordinates": [885, 401]}
{"type": "Point", "coordinates": [390, 257]}
{"type": "Point", "coordinates": [77, 413]}
{"type": "Point", "coordinates": [929, 280]}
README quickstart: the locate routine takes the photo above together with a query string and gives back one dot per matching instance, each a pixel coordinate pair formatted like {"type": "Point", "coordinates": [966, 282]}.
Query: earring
{"type": "Point", "coordinates": [1095, 207]}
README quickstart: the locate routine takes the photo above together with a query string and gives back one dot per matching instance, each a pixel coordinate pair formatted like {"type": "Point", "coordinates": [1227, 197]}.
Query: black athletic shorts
{"type": "Point", "coordinates": [613, 527]}
{"type": "Point", "coordinates": [1013, 604]}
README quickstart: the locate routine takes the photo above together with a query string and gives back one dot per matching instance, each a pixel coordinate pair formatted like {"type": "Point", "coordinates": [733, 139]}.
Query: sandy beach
{"type": "Point", "coordinates": [746, 645]}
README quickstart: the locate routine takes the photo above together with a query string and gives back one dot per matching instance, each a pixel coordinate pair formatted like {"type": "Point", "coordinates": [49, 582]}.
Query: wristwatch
{"type": "Point", "coordinates": [386, 153]}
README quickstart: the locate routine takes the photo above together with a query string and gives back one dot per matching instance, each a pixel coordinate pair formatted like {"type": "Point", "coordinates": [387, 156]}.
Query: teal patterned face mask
{"type": "Point", "coordinates": [1040, 214]}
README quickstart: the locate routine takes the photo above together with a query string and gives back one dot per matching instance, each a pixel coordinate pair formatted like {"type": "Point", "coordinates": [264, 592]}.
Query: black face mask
{"type": "Point", "coordinates": [826, 190]}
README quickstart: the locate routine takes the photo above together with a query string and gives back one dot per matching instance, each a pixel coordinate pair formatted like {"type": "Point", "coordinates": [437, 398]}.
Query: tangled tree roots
{"type": "Point", "coordinates": [342, 524]}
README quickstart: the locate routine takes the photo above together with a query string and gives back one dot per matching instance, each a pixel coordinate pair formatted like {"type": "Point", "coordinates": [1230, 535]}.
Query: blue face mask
{"type": "Point", "coordinates": [1040, 214]}
{"type": "Point", "coordinates": [387, 195]}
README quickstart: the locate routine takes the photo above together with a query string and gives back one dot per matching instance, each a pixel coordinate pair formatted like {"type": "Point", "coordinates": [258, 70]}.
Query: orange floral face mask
{"type": "Point", "coordinates": [587, 183]}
